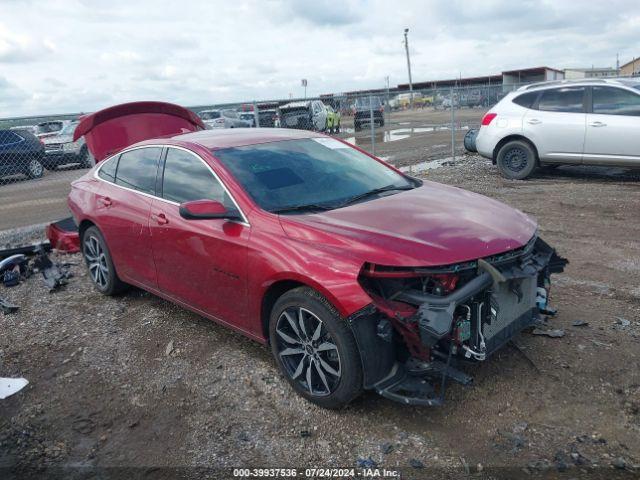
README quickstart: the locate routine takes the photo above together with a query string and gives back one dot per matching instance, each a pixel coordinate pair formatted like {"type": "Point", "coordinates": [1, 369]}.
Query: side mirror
{"type": "Point", "coordinates": [207, 210]}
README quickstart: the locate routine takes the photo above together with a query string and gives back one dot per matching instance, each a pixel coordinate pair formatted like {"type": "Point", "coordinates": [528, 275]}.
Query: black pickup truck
{"type": "Point", "coordinates": [362, 112]}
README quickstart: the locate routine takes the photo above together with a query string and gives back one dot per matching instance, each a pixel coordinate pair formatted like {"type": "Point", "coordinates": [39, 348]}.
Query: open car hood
{"type": "Point", "coordinates": [112, 129]}
{"type": "Point", "coordinates": [433, 225]}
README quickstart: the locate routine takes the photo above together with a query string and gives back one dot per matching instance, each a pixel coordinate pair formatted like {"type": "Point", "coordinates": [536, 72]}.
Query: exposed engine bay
{"type": "Point", "coordinates": [433, 319]}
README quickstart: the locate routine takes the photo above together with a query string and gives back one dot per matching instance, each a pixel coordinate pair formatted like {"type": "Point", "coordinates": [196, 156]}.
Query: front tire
{"type": "Point", "coordinates": [315, 349]}
{"type": "Point", "coordinates": [516, 160]}
{"type": "Point", "coordinates": [83, 156]}
{"type": "Point", "coordinates": [98, 259]}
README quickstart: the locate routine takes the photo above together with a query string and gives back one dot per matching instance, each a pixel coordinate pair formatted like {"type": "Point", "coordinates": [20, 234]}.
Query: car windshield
{"type": "Point", "coordinates": [69, 129]}
{"type": "Point", "coordinates": [209, 115]}
{"type": "Point", "coordinates": [312, 173]}
{"type": "Point", "coordinates": [364, 102]}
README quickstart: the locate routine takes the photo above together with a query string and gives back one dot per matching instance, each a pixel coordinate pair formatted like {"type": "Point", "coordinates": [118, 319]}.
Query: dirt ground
{"type": "Point", "coordinates": [134, 381]}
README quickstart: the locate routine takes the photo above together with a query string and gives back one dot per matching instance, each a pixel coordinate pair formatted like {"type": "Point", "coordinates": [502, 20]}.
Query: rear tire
{"type": "Point", "coordinates": [34, 169]}
{"type": "Point", "coordinates": [315, 349]}
{"type": "Point", "coordinates": [98, 259]}
{"type": "Point", "coordinates": [516, 160]}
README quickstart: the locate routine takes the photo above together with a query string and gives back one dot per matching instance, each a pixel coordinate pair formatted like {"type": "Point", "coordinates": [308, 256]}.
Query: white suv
{"type": "Point", "coordinates": [591, 122]}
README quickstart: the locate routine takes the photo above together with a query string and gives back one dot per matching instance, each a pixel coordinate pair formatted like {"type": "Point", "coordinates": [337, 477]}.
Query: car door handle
{"type": "Point", "coordinates": [160, 219]}
{"type": "Point", "coordinates": [597, 124]}
{"type": "Point", "coordinates": [106, 201]}
{"type": "Point", "coordinates": [534, 121]}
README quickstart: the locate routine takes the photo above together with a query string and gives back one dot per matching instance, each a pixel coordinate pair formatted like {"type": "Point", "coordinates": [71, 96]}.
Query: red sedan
{"type": "Point", "coordinates": [357, 275]}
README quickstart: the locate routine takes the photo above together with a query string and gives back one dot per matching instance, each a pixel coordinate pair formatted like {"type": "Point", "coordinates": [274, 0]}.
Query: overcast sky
{"type": "Point", "coordinates": [59, 56]}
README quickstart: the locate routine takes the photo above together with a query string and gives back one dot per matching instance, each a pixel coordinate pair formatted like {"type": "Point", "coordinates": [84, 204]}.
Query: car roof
{"type": "Point", "coordinates": [236, 137]}
{"type": "Point", "coordinates": [626, 82]}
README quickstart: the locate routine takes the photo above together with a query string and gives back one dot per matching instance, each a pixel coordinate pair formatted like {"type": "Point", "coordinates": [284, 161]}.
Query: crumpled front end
{"type": "Point", "coordinates": [429, 320]}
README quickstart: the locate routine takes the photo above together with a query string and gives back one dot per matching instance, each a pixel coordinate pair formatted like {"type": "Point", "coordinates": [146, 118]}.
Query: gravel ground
{"type": "Point", "coordinates": [134, 381]}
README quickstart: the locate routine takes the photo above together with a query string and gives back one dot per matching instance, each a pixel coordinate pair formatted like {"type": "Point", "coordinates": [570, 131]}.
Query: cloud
{"type": "Point", "coordinates": [72, 55]}
{"type": "Point", "coordinates": [22, 48]}
{"type": "Point", "coordinates": [325, 12]}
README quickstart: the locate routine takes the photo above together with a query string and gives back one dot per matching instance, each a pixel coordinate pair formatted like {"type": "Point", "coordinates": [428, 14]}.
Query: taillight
{"type": "Point", "coordinates": [488, 118]}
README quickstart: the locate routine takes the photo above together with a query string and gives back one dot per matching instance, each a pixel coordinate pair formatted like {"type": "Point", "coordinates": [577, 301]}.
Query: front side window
{"type": "Point", "coordinates": [187, 178]}
{"type": "Point", "coordinates": [568, 100]}
{"type": "Point", "coordinates": [311, 171]}
{"type": "Point", "coordinates": [615, 101]}
{"type": "Point", "coordinates": [137, 169]}
{"type": "Point", "coordinates": [108, 169]}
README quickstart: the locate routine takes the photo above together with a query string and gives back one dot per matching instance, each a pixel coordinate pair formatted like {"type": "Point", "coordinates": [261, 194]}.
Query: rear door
{"type": "Point", "coordinates": [556, 124]}
{"type": "Point", "coordinates": [613, 127]}
{"type": "Point", "coordinates": [122, 214]}
{"type": "Point", "coordinates": [200, 262]}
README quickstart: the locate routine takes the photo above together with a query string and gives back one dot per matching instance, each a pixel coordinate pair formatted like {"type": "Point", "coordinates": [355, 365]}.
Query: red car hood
{"type": "Point", "coordinates": [428, 226]}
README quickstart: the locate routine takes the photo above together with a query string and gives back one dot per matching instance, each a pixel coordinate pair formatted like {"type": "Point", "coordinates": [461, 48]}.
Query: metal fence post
{"type": "Point", "coordinates": [373, 127]}
{"type": "Point", "coordinates": [453, 126]}
{"type": "Point", "coordinates": [256, 115]}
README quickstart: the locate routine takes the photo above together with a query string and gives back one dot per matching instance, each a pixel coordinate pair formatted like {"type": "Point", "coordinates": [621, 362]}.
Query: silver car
{"type": "Point", "coordinates": [590, 122]}
{"type": "Point", "coordinates": [222, 118]}
{"type": "Point", "coordinates": [60, 149]}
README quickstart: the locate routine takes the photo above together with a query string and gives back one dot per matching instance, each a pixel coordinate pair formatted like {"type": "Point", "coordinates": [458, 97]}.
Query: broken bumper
{"type": "Point", "coordinates": [504, 297]}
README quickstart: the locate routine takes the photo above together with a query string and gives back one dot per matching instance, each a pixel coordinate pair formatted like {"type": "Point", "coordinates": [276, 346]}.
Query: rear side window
{"type": "Point", "coordinates": [137, 169]}
{"type": "Point", "coordinates": [9, 138]}
{"type": "Point", "coordinates": [568, 99]}
{"type": "Point", "coordinates": [187, 178]}
{"type": "Point", "coordinates": [108, 169]}
{"type": "Point", "coordinates": [526, 99]}
{"type": "Point", "coordinates": [615, 101]}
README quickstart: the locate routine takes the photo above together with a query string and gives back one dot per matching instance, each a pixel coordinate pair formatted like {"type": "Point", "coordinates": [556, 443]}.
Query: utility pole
{"type": "Point", "coordinates": [617, 64]}
{"type": "Point", "coordinates": [406, 47]}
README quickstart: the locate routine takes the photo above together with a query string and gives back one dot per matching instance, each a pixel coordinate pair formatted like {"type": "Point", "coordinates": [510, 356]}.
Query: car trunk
{"type": "Point", "coordinates": [110, 130]}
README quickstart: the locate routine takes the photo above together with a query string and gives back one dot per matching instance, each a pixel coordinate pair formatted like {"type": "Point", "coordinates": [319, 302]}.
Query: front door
{"type": "Point", "coordinates": [613, 127]}
{"type": "Point", "coordinates": [200, 262]}
{"type": "Point", "coordinates": [123, 207]}
{"type": "Point", "coordinates": [556, 124]}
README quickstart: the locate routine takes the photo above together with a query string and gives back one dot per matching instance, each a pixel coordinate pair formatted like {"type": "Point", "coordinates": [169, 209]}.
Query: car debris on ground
{"type": "Point", "coordinates": [9, 386]}
{"type": "Point", "coordinates": [554, 333]}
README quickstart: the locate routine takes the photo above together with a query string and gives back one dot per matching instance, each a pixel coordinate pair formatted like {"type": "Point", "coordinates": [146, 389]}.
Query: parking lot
{"type": "Point", "coordinates": [134, 380]}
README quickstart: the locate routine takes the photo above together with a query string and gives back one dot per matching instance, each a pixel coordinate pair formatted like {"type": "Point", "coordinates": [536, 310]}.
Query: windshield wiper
{"type": "Point", "coordinates": [311, 207]}
{"type": "Point", "coordinates": [375, 191]}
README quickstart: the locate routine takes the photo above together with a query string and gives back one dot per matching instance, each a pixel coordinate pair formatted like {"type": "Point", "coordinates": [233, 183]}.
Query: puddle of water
{"type": "Point", "coordinates": [396, 134]}
{"type": "Point", "coordinates": [424, 166]}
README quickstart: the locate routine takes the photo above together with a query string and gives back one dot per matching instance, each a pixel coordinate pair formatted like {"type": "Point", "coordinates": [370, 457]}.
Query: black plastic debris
{"type": "Point", "coordinates": [386, 448]}
{"type": "Point", "coordinates": [25, 250]}
{"type": "Point", "coordinates": [55, 275]}
{"type": "Point", "coordinates": [579, 323]}
{"type": "Point", "coordinates": [366, 463]}
{"type": "Point", "coordinates": [415, 463]}
{"type": "Point", "coordinates": [12, 268]}
{"type": "Point", "coordinates": [557, 333]}
{"type": "Point", "coordinates": [7, 307]}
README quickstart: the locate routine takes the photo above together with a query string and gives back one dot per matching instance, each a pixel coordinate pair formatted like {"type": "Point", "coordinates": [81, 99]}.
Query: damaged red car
{"type": "Point", "coordinates": [356, 275]}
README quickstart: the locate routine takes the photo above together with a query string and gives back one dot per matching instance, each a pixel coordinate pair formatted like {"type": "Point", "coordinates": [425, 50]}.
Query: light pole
{"type": "Point", "coordinates": [406, 47]}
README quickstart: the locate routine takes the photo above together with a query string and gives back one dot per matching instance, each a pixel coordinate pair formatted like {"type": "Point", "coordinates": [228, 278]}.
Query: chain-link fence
{"type": "Point", "coordinates": [415, 131]}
